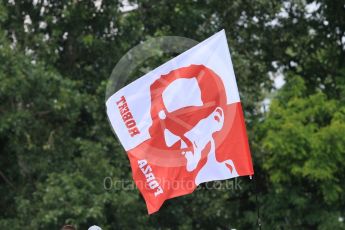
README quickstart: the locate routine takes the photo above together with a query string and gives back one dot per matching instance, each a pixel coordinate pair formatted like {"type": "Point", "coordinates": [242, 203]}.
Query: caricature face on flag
{"type": "Point", "coordinates": [182, 124]}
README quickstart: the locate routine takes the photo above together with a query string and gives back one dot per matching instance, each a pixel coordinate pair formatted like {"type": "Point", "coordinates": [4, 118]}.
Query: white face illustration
{"type": "Point", "coordinates": [183, 93]}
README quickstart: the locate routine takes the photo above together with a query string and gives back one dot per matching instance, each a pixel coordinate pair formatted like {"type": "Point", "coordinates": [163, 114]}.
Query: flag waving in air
{"type": "Point", "coordinates": [182, 123]}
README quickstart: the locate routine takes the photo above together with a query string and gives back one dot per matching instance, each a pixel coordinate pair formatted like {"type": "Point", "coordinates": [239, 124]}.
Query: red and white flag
{"type": "Point", "coordinates": [182, 123]}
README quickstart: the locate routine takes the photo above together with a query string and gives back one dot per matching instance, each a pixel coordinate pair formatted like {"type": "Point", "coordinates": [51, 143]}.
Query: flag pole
{"type": "Point", "coordinates": [258, 221]}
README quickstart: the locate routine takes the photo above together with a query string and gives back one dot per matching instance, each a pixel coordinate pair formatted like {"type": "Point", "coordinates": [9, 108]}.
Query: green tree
{"type": "Point", "coordinates": [304, 156]}
{"type": "Point", "coordinates": [57, 147]}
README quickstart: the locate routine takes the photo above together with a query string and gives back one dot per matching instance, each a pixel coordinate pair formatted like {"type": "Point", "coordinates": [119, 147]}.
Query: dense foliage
{"type": "Point", "coordinates": [60, 162]}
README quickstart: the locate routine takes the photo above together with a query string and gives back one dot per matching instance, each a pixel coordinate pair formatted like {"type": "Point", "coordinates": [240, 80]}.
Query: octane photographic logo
{"type": "Point", "coordinates": [176, 116]}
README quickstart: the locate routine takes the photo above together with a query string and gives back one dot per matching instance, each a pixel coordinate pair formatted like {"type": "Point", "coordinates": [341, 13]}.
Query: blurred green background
{"type": "Point", "coordinates": [57, 148]}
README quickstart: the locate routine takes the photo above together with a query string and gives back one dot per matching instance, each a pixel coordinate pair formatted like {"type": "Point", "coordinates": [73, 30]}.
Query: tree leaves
{"type": "Point", "coordinates": [58, 151]}
{"type": "Point", "coordinates": [305, 148]}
